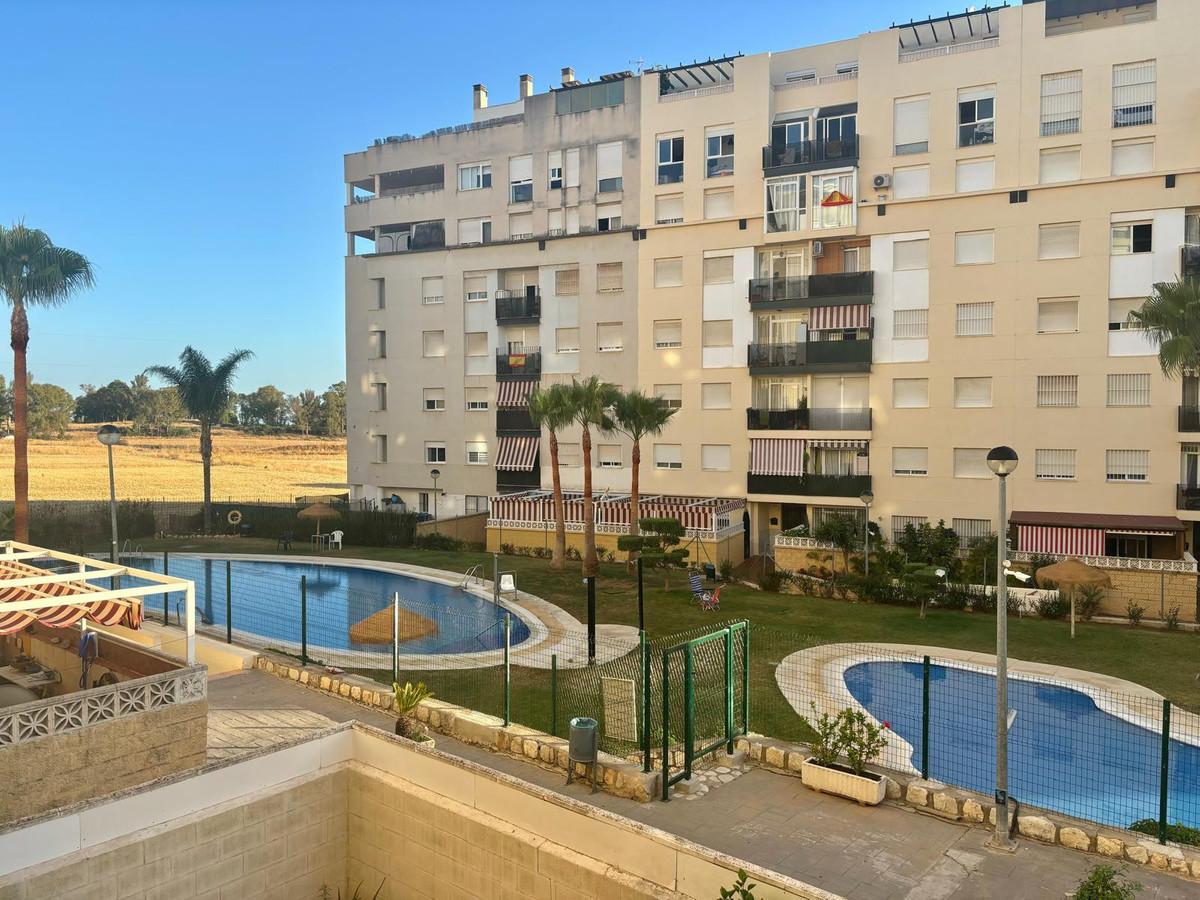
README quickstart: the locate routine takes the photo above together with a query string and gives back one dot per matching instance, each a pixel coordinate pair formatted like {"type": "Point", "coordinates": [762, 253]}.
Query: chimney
{"type": "Point", "coordinates": [480, 97]}
{"type": "Point", "coordinates": [568, 75]}
{"type": "Point", "coordinates": [525, 89]}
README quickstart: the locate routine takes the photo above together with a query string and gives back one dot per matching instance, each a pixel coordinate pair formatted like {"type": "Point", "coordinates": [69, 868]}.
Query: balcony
{"type": "Point", "coordinates": [525, 363]}
{"type": "Point", "coordinates": [1189, 418]}
{"type": "Point", "coordinates": [816, 419]}
{"type": "Point", "coordinates": [515, 420]}
{"type": "Point", "coordinates": [809, 485]}
{"type": "Point", "coordinates": [514, 482]}
{"type": "Point", "coordinates": [810, 356]}
{"type": "Point", "coordinates": [1187, 497]}
{"type": "Point", "coordinates": [805, 156]}
{"type": "Point", "coordinates": [840, 289]}
{"type": "Point", "coordinates": [1189, 261]}
{"type": "Point", "coordinates": [523, 307]}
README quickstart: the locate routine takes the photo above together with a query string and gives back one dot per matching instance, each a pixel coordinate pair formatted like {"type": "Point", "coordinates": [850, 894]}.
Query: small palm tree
{"type": "Point", "coordinates": [33, 272]}
{"type": "Point", "coordinates": [593, 401]}
{"type": "Point", "coordinates": [1171, 317]}
{"type": "Point", "coordinates": [552, 409]}
{"type": "Point", "coordinates": [639, 415]}
{"type": "Point", "coordinates": [206, 392]}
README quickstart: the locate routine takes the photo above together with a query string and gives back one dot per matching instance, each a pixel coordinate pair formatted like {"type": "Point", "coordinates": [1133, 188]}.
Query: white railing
{"type": "Point", "coordinates": [696, 92]}
{"type": "Point", "coordinates": [824, 79]}
{"type": "Point", "coordinates": [704, 534]}
{"type": "Point", "coordinates": [1115, 562]}
{"type": "Point", "coordinates": [70, 712]}
{"type": "Point", "coordinates": [949, 49]}
{"type": "Point", "coordinates": [803, 543]}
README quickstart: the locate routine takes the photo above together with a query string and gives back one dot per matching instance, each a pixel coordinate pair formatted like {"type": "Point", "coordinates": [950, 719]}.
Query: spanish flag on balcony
{"type": "Point", "coordinates": [516, 360]}
{"type": "Point", "coordinates": [836, 198]}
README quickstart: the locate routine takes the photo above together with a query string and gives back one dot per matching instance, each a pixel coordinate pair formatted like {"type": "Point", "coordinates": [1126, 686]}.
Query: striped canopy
{"type": "Point", "coordinates": [71, 605]}
{"type": "Point", "coordinates": [517, 454]}
{"type": "Point", "coordinates": [1054, 539]}
{"type": "Point", "coordinates": [515, 393]}
{"type": "Point", "coordinates": [776, 456]}
{"type": "Point", "coordinates": [825, 318]}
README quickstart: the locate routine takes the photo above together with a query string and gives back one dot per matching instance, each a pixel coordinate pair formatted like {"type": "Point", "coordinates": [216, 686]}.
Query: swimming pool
{"type": "Point", "coordinates": [1065, 753]}
{"type": "Point", "coordinates": [266, 604]}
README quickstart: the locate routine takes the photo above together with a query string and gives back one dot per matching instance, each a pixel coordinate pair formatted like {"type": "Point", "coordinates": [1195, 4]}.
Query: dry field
{"type": "Point", "coordinates": [245, 467]}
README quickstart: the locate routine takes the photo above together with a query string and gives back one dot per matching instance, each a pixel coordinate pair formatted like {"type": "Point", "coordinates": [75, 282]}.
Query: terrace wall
{"type": "Point", "coordinates": [471, 529]}
{"type": "Point", "coordinates": [533, 540]}
{"type": "Point", "coordinates": [1157, 592]}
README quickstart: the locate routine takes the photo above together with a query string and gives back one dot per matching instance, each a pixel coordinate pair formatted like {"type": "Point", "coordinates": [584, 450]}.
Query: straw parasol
{"type": "Point", "coordinates": [1069, 575]}
{"type": "Point", "coordinates": [318, 511]}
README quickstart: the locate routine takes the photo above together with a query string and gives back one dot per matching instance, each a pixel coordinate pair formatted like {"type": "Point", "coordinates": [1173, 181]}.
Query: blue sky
{"type": "Point", "coordinates": [194, 151]}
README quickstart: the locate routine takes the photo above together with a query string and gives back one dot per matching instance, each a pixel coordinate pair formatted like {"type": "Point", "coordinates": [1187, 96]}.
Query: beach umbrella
{"type": "Point", "coordinates": [1069, 575]}
{"type": "Point", "coordinates": [318, 511]}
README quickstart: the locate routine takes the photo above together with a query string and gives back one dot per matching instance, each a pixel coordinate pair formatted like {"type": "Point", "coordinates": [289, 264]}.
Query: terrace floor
{"type": "Point", "coordinates": [886, 853]}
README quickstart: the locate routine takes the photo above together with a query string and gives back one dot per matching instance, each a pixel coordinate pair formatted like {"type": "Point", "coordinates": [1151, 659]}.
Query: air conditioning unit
{"type": "Point", "coordinates": [818, 248]}
{"type": "Point", "coordinates": [881, 182]}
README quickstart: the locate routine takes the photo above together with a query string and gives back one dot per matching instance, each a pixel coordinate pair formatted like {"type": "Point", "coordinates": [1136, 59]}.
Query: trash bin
{"type": "Point", "coordinates": [710, 571]}
{"type": "Point", "coordinates": [583, 739]}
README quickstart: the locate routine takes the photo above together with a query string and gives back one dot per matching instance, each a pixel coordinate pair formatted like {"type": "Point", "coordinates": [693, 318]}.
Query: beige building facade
{"type": "Point", "coordinates": [853, 267]}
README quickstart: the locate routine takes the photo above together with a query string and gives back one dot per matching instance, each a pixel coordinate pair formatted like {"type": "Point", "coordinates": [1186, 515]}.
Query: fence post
{"type": "Point", "coordinates": [666, 729]}
{"type": "Point", "coordinates": [1164, 772]}
{"type": "Point", "coordinates": [554, 694]}
{"type": "Point", "coordinates": [228, 601]}
{"type": "Point", "coordinates": [166, 603]}
{"type": "Point", "coordinates": [746, 679]}
{"type": "Point", "coordinates": [304, 620]}
{"type": "Point", "coordinates": [729, 690]}
{"type": "Point", "coordinates": [507, 672]}
{"type": "Point", "coordinates": [396, 637]}
{"type": "Point", "coordinates": [645, 702]}
{"type": "Point", "coordinates": [689, 711]}
{"type": "Point", "coordinates": [925, 718]}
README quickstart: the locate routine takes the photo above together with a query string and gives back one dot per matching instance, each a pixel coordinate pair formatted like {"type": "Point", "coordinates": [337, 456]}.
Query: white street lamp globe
{"type": "Point", "coordinates": [109, 435]}
{"type": "Point", "coordinates": [1002, 461]}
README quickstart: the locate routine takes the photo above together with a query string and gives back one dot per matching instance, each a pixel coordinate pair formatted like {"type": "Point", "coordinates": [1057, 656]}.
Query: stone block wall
{"type": "Point", "coordinates": [699, 552]}
{"type": "Point", "coordinates": [1156, 592]}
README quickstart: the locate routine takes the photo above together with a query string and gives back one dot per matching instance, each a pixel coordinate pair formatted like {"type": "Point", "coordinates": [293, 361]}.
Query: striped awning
{"type": "Point", "coordinates": [838, 444]}
{"type": "Point", "coordinates": [1055, 539]}
{"type": "Point", "coordinates": [127, 612]}
{"type": "Point", "coordinates": [825, 318]}
{"type": "Point", "coordinates": [1141, 532]}
{"type": "Point", "coordinates": [776, 456]}
{"type": "Point", "coordinates": [515, 393]}
{"type": "Point", "coordinates": [517, 454]}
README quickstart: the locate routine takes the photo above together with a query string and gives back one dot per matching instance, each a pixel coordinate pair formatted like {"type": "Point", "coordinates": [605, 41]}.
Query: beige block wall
{"type": "Point", "coordinates": [699, 552]}
{"type": "Point", "coordinates": [471, 529]}
{"type": "Point", "coordinates": [61, 769]}
{"type": "Point", "coordinates": [1156, 592]}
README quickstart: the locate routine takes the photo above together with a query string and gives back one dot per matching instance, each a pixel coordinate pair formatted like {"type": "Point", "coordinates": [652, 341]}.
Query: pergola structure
{"type": "Point", "coordinates": [59, 590]}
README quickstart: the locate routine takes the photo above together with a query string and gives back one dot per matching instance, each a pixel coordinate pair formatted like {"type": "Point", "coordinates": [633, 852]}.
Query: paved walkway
{"type": "Point", "coordinates": [886, 853]}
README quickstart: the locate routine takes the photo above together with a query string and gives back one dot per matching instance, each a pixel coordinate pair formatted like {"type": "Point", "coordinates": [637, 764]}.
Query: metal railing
{"type": "Point", "coordinates": [806, 419]}
{"type": "Point", "coordinates": [823, 288]}
{"type": "Point", "coordinates": [1187, 496]}
{"type": "Point", "coordinates": [519, 363]}
{"type": "Point", "coordinates": [808, 485]}
{"type": "Point", "coordinates": [512, 307]}
{"type": "Point", "coordinates": [802, 153]}
{"type": "Point", "coordinates": [1189, 418]}
{"type": "Point", "coordinates": [514, 419]}
{"type": "Point", "coordinates": [948, 49]}
{"type": "Point", "coordinates": [849, 355]}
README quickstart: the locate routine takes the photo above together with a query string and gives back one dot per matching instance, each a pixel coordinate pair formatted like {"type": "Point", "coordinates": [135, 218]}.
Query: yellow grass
{"type": "Point", "coordinates": [245, 467]}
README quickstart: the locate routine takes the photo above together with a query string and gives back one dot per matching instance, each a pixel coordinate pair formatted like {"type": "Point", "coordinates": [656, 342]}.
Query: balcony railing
{"type": "Point", "coordinates": [1189, 418]}
{"type": "Point", "coordinates": [813, 290]}
{"type": "Point", "coordinates": [814, 419]}
{"type": "Point", "coordinates": [518, 307]}
{"type": "Point", "coordinates": [511, 482]}
{"type": "Point", "coordinates": [1187, 496]}
{"type": "Point", "coordinates": [805, 155]}
{"type": "Point", "coordinates": [809, 485]}
{"type": "Point", "coordinates": [810, 356]}
{"type": "Point", "coordinates": [1189, 261]}
{"type": "Point", "coordinates": [519, 363]}
{"type": "Point", "coordinates": [515, 420]}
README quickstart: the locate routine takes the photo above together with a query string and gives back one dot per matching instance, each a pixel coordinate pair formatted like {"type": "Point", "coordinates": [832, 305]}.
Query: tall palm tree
{"type": "Point", "coordinates": [206, 391]}
{"type": "Point", "coordinates": [593, 401]}
{"type": "Point", "coordinates": [1171, 317]}
{"type": "Point", "coordinates": [552, 409]}
{"type": "Point", "coordinates": [33, 272]}
{"type": "Point", "coordinates": [639, 415]}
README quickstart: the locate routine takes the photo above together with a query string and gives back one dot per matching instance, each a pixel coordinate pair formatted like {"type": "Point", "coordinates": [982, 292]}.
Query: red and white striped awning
{"type": "Point", "coordinates": [75, 605]}
{"type": "Point", "coordinates": [1140, 531]}
{"type": "Point", "coordinates": [1054, 539]}
{"type": "Point", "coordinates": [838, 444]}
{"type": "Point", "coordinates": [517, 454]}
{"type": "Point", "coordinates": [776, 456]}
{"type": "Point", "coordinates": [515, 393]}
{"type": "Point", "coordinates": [824, 318]}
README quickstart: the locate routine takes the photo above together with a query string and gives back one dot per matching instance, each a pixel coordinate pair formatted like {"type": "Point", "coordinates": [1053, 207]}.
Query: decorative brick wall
{"type": "Point", "coordinates": [1156, 592]}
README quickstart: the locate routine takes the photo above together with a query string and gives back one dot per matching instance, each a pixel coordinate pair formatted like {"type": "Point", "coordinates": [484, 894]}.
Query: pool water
{"type": "Point", "coordinates": [266, 603]}
{"type": "Point", "coordinates": [1065, 753]}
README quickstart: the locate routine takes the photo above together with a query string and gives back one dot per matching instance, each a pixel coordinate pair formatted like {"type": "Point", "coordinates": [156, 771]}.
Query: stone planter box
{"type": "Point", "coordinates": [868, 789]}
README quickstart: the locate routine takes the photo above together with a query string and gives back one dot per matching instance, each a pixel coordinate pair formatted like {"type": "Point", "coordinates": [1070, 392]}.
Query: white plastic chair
{"type": "Point", "coordinates": [335, 539]}
{"type": "Point", "coordinates": [507, 584]}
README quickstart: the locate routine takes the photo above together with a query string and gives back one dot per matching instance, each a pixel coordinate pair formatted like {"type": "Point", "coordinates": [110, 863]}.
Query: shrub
{"type": "Point", "coordinates": [1179, 833]}
{"type": "Point", "coordinates": [437, 541]}
{"type": "Point", "coordinates": [1135, 611]}
{"type": "Point", "coordinates": [771, 580]}
{"type": "Point", "coordinates": [408, 698]}
{"type": "Point", "coordinates": [573, 554]}
{"type": "Point", "coordinates": [508, 549]}
{"type": "Point", "coordinates": [861, 739]}
{"type": "Point", "coordinates": [1053, 606]}
{"type": "Point", "coordinates": [742, 888]}
{"type": "Point", "coordinates": [1106, 883]}
{"type": "Point", "coordinates": [1088, 600]}
{"type": "Point", "coordinates": [825, 745]}
{"type": "Point", "coordinates": [726, 570]}
{"type": "Point", "coordinates": [1172, 618]}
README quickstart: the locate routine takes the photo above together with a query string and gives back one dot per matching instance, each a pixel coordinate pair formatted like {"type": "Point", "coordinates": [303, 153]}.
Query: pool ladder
{"type": "Point", "coordinates": [476, 572]}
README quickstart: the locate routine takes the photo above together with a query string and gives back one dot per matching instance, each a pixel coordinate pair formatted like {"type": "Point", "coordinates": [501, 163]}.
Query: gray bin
{"type": "Point", "coordinates": [584, 734]}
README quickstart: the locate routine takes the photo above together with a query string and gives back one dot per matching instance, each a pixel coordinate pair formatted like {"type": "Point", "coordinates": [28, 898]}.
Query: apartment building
{"type": "Point", "coordinates": [853, 267]}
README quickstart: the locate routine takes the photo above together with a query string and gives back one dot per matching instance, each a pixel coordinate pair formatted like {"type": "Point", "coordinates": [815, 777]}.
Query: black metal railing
{"type": "Point", "coordinates": [513, 307]}
{"type": "Point", "coordinates": [809, 153]}
{"type": "Point", "coordinates": [802, 356]}
{"type": "Point", "coordinates": [1189, 260]}
{"type": "Point", "coordinates": [1187, 496]}
{"type": "Point", "coordinates": [519, 363]}
{"type": "Point", "coordinates": [510, 482]}
{"type": "Point", "coordinates": [808, 419]}
{"type": "Point", "coordinates": [514, 420]}
{"type": "Point", "coordinates": [1189, 418]}
{"type": "Point", "coordinates": [813, 290]}
{"type": "Point", "coordinates": [809, 485]}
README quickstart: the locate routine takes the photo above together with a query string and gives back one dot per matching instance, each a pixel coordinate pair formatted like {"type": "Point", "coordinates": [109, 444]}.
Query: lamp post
{"type": "Point", "coordinates": [435, 474]}
{"type": "Point", "coordinates": [867, 498]}
{"type": "Point", "coordinates": [110, 436]}
{"type": "Point", "coordinates": [1003, 462]}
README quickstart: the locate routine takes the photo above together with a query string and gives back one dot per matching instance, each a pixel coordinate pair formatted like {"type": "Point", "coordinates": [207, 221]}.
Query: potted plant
{"type": "Point", "coordinates": [408, 698]}
{"type": "Point", "coordinates": [852, 735]}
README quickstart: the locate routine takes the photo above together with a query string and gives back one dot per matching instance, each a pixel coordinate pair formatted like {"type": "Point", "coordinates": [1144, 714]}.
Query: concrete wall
{"type": "Point", "coordinates": [1156, 592]}
{"type": "Point", "coordinates": [472, 529]}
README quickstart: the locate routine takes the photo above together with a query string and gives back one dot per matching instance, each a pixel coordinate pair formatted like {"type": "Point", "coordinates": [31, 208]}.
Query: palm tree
{"type": "Point", "coordinates": [593, 401]}
{"type": "Point", "coordinates": [206, 392]}
{"type": "Point", "coordinates": [639, 415]}
{"type": "Point", "coordinates": [1171, 317]}
{"type": "Point", "coordinates": [33, 272]}
{"type": "Point", "coordinates": [552, 409]}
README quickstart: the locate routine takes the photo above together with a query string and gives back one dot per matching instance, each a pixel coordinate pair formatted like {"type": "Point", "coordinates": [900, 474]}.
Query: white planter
{"type": "Point", "coordinates": [869, 790]}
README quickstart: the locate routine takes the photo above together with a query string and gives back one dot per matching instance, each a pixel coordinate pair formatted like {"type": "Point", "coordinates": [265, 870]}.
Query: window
{"type": "Point", "coordinates": [1132, 238]}
{"type": "Point", "coordinates": [476, 503]}
{"type": "Point", "coordinates": [432, 290]}
{"type": "Point", "coordinates": [1120, 313]}
{"type": "Point", "coordinates": [423, 501]}
{"type": "Point", "coordinates": [609, 277]}
{"type": "Point", "coordinates": [1127, 465]}
{"type": "Point", "coordinates": [379, 389]}
{"type": "Point", "coordinates": [910, 393]}
{"type": "Point", "coordinates": [668, 333]}
{"type": "Point", "coordinates": [668, 209]}
{"type": "Point", "coordinates": [973, 248]}
{"type": "Point", "coordinates": [433, 343]}
{"type": "Point", "coordinates": [380, 293]}
{"type": "Point", "coordinates": [718, 270]}
{"type": "Point", "coordinates": [554, 223]}
{"type": "Point", "coordinates": [477, 398]}
{"type": "Point", "coordinates": [910, 323]}
{"type": "Point", "coordinates": [972, 393]}
{"type": "Point", "coordinates": [900, 525]}
{"type": "Point", "coordinates": [670, 394]}
{"type": "Point", "coordinates": [1060, 241]}
{"type": "Point", "coordinates": [520, 179]}
{"type": "Point", "coordinates": [910, 182]}
{"type": "Point", "coordinates": [718, 333]}
{"type": "Point", "coordinates": [477, 453]}
{"type": "Point", "coordinates": [971, 462]}
{"type": "Point", "coordinates": [670, 159]}
{"type": "Point", "coordinates": [826, 189]}
{"type": "Point", "coordinates": [609, 456]}
{"type": "Point", "coordinates": [668, 272]}
{"type": "Point", "coordinates": [609, 159]}
{"type": "Point", "coordinates": [435, 399]}
{"type": "Point", "coordinates": [477, 343]}
{"type": "Point", "coordinates": [609, 337]}
{"type": "Point", "coordinates": [971, 531]}
{"type": "Point", "coordinates": [566, 282]}
{"type": "Point", "coordinates": [1058, 164]}
{"type": "Point", "coordinates": [910, 461]}
{"type": "Point", "coordinates": [718, 151]}
{"type": "Point", "coordinates": [583, 97]}
{"type": "Point", "coordinates": [435, 452]}
{"type": "Point", "coordinates": [571, 158]}
{"type": "Point", "coordinates": [473, 176]}
{"type": "Point", "coordinates": [1062, 103]}
{"type": "Point", "coordinates": [520, 226]}
{"type": "Point", "coordinates": [718, 204]}
{"type": "Point", "coordinates": [910, 125]}
{"type": "Point", "coordinates": [668, 456]}
{"type": "Point", "coordinates": [1128, 390]}
{"type": "Point", "coordinates": [570, 456]}
{"type": "Point", "coordinates": [787, 203]}
{"type": "Point", "coordinates": [975, 175]}
{"type": "Point", "coordinates": [381, 447]}
{"type": "Point", "coordinates": [1058, 390]}
{"type": "Point", "coordinates": [973, 319]}
{"type": "Point", "coordinates": [474, 231]}
{"type": "Point", "coordinates": [1133, 94]}
{"type": "Point", "coordinates": [1132, 157]}
{"type": "Point", "coordinates": [566, 340]}
{"type": "Point", "coordinates": [716, 395]}
{"type": "Point", "coordinates": [976, 116]}
{"type": "Point", "coordinates": [910, 255]}
{"type": "Point", "coordinates": [800, 76]}
{"type": "Point", "coordinates": [377, 345]}
{"type": "Point", "coordinates": [1057, 315]}
{"type": "Point", "coordinates": [554, 166]}
{"type": "Point", "coordinates": [474, 288]}
{"type": "Point", "coordinates": [715, 457]}
{"type": "Point", "coordinates": [608, 216]}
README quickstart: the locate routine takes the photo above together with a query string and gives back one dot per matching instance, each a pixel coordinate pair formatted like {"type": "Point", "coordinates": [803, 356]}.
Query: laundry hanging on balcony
{"type": "Point", "coordinates": [776, 456]}
{"type": "Point", "coordinates": [515, 393]}
{"type": "Point", "coordinates": [517, 454]}
{"type": "Point", "coordinates": [827, 318]}
{"type": "Point", "coordinates": [836, 198]}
